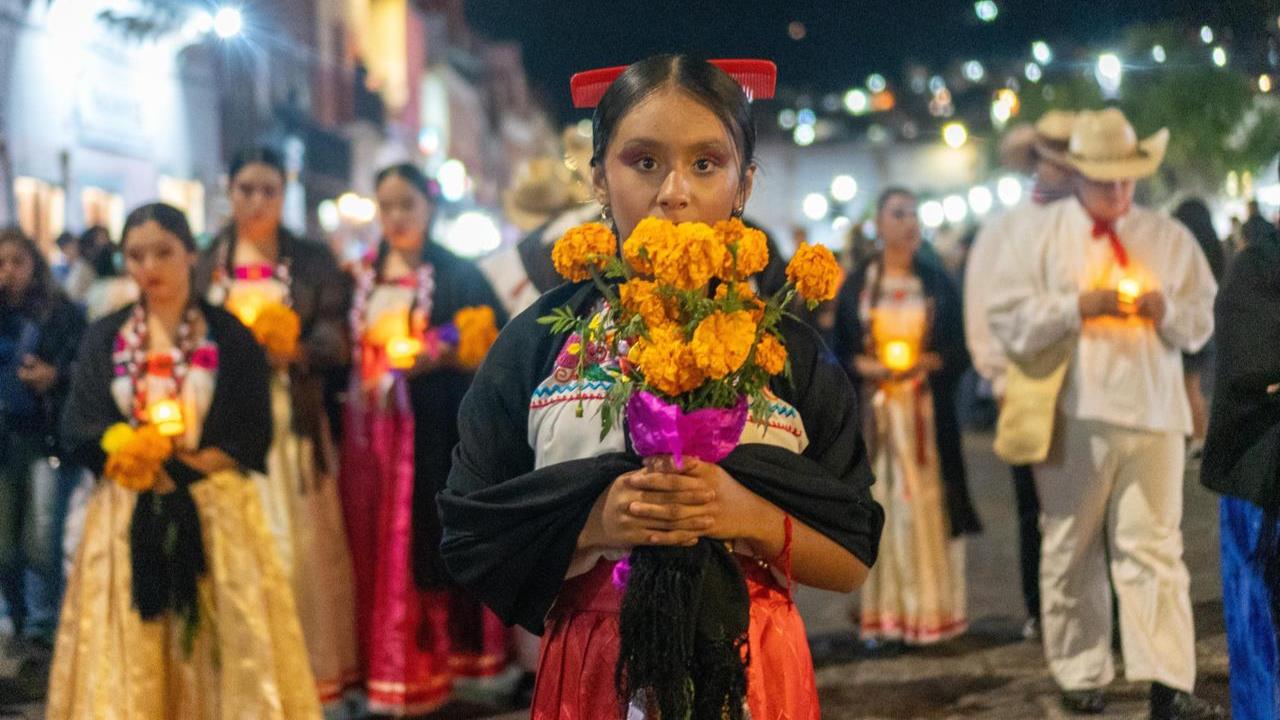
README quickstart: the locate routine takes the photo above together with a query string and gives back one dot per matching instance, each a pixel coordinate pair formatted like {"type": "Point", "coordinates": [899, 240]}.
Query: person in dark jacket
{"type": "Point", "coordinates": [39, 331]}
{"type": "Point", "coordinates": [1242, 463]}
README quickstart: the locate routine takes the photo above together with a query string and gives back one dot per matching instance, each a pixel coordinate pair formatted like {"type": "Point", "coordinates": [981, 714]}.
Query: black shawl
{"type": "Point", "coordinates": [320, 293]}
{"type": "Point", "coordinates": [510, 531]}
{"type": "Point", "coordinates": [947, 339]}
{"type": "Point", "coordinates": [166, 549]}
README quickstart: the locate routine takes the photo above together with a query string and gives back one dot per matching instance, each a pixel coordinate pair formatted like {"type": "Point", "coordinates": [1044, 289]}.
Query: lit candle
{"type": "Point", "coordinates": [1128, 289]}
{"type": "Point", "coordinates": [166, 415]}
{"type": "Point", "coordinates": [247, 307]}
{"type": "Point", "coordinates": [897, 355]}
{"type": "Point", "coordinates": [402, 352]}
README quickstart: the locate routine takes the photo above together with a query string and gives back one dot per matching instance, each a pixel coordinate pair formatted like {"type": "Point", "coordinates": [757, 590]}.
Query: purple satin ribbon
{"type": "Point", "coordinates": [659, 427]}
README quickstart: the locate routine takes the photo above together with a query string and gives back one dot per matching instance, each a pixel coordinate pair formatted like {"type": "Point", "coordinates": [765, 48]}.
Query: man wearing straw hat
{"type": "Point", "coordinates": [1114, 294]}
{"type": "Point", "coordinates": [1040, 151]}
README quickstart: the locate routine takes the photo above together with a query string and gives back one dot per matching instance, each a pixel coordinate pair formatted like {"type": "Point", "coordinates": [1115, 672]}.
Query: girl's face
{"type": "Point", "coordinates": [158, 262]}
{"type": "Point", "coordinates": [17, 268]}
{"type": "Point", "coordinates": [898, 224]}
{"type": "Point", "coordinates": [670, 157]}
{"type": "Point", "coordinates": [257, 200]}
{"type": "Point", "coordinates": [404, 212]}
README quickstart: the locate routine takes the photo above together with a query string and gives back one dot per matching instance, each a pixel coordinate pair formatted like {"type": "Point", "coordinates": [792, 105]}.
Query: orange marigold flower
{"type": "Point", "coordinates": [641, 298]}
{"type": "Point", "coordinates": [666, 361]}
{"type": "Point", "coordinates": [722, 342]}
{"type": "Point", "coordinates": [771, 355]}
{"type": "Point", "coordinates": [277, 328]}
{"type": "Point", "coordinates": [815, 272]}
{"type": "Point", "coordinates": [692, 260]}
{"type": "Point", "coordinates": [477, 330]}
{"type": "Point", "coordinates": [137, 459]}
{"type": "Point", "coordinates": [582, 247]}
{"type": "Point", "coordinates": [749, 249]}
{"type": "Point", "coordinates": [649, 235]}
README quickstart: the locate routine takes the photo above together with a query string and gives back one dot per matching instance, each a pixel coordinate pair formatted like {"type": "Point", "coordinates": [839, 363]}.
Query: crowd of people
{"type": "Point", "coordinates": [359, 525]}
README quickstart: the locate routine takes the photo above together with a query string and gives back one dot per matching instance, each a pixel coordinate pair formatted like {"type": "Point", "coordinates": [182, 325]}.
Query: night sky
{"type": "Point", "coordinates": [845, 40]}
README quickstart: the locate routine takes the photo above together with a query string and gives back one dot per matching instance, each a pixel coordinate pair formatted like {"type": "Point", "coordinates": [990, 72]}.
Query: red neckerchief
{"type": "Point", "coordinates": [1103, 229]}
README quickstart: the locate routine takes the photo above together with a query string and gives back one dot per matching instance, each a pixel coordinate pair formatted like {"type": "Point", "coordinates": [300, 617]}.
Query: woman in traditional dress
{"type": "Point", "coordinates": [900, 335]}
{"type": "Point", "coordinates": [177, 606]}
{"type": "Point", "coordinates": [541, 510]}
{"type": "Point", "coordinates": [253, 262]}
{"type": "Point", "coordinates": [416, 630]}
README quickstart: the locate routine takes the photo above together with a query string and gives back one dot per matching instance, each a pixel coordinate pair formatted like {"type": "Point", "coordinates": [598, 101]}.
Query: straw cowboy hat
{"type": "Point", "coordinates": [1025, 144]}
{"type": "Point", "coordinates": [541, 188]}
{"type": "Point", "coordinates": [1104, 147]}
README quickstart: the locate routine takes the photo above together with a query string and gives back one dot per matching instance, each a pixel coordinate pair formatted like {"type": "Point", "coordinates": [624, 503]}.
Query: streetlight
{"type": "Point", "coordinates": [955, 209]}
{"type": "Point", "coordinates": [1109, 74]}
{"type": "Point", "coordinates": [1220, 56]}
{"type": "Point", "coordinates": [974, 71]}
{"type": "Point", "coordinates": [876, 83]}
{"type": "Point", "coordinates": [804, 135]}
{"type": "Point", "coordinates": [986, 10]}
{"type": "Point", "coordinates": [931, 213]}
{"type": "Point", "coordinates": [1041, 52]}
{"type": "Point", "coordinates": [844, 188]}
{"type": "Point", "coordinates": [856, 101]}
{"type": "Point", "coordinates": [228, 22]}
{"type": "Point", "coordinates": [1009, 190]}
{"type": "Point", "coordinates": [1158, 54]}
{"type": "Point", "coordinates": [815, 206]}
{"type": "Point", "coordinates": [954, 134]}
{"type": "Point", "coordinates": [980, 200]}
{"type": "Point", "coordinates": [452, 176]}
{"type": "Point", "coordinates": [1264, 83]}
{"type": "Point", "coordinates": [1206, 34]}
{"type": "Point", "coordinates": [1033, 72]}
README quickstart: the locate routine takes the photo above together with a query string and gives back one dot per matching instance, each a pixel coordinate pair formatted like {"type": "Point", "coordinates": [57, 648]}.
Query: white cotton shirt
{"type": "Point", "coordinates": [1126, 372]}
{"type": "Point", "coordinates": [1015, 226]}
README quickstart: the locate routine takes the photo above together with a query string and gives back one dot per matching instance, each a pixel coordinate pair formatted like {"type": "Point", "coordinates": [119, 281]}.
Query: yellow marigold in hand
{"type": "Point", "coordinates": [722, 342]}
{"type": "Point", "coordinates": [815, 272]}
{"type": "Point", "coordinates": [641, 298]}
{"type": "Point", "coordinates": [666, 361]}
{"type": "Point", "coordinates": [137, 458]}
{"type": "Point", "coordinates": [581, 248]}
{"type": "Point", "coordinates": [277, 328]}
{"type": "Point", "coordinates": [746, 294]}
{"type": "Point", "coordinates": [692, 260]}
{"type": "Point", "coordinates": [649, 235]}
{"type": "Point", "coordinates": [477, 329]}
{"type": "Point", "coordinates": [771, 356]}
{"type": "Point", "coordinates": [749, 249]}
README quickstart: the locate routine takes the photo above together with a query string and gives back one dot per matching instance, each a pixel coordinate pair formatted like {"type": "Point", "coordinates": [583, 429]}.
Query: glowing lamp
{"type": "Point", "coordinates": [1128, 289]}
{"type": "Point", "coordinates": [247, 307]}
{"type": "Point", "coordinates": [166, 416]}
{"type": "Point", "coordinates": [897, 355]}
{"type": "Point", "coordinates": [402, 352]}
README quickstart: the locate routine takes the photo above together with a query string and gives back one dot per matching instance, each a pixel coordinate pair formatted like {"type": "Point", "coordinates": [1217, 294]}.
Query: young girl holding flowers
{"type": "Point", "coordinates": [177, 605]}
{"type": "Point", "coordinates": [655, 581]}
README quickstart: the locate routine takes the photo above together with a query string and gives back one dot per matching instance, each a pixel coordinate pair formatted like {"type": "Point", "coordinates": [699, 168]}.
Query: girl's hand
{"type": "Point", "coordinates": [870, 368]}
{"type": "Point", "coordinates": [733, 513]}
{"type": "Point", "coordinates": [644, 507]}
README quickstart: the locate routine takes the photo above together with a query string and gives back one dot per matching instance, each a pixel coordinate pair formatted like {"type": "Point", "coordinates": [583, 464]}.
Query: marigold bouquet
{"type": "Point", "coordinates": [681, 313]}
{"type": "Point", "coordinates": [275, 325]}
{"type": "Point", "coordinates": [134, 455]}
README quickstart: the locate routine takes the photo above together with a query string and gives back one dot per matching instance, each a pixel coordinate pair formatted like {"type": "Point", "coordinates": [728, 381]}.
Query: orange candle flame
{"type": "Point", "coordinates": [166, 415]}
{"type": "Point", "coordinates": [402, 352]}
{"type": "Point", "coordinates": [898, 355]}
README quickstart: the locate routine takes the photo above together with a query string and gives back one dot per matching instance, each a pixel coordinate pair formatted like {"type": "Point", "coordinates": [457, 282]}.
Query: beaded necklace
{"type": "Point", "coordinates": [135, 361]}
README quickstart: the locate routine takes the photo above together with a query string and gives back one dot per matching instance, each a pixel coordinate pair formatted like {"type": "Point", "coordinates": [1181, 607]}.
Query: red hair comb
{"type": "Point", "coordinates": [758, 79]}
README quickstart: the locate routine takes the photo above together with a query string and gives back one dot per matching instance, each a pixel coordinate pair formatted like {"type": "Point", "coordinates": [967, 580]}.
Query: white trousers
{"type": "Point", "coordinates": [1107, 484]}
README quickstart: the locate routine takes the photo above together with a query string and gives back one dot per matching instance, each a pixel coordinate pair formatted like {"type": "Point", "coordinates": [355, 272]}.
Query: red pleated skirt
{"type": "Point", "coordinates": [580, 650]}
